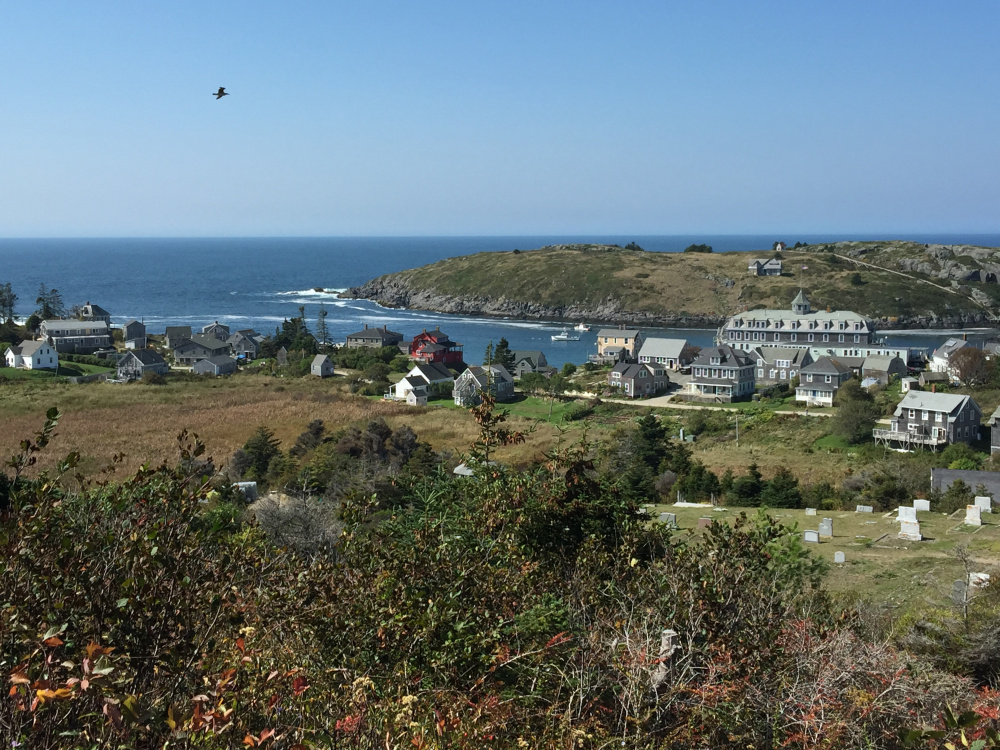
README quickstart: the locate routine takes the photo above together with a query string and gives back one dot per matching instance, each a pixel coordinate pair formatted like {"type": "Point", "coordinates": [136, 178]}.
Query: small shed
{"type": "Point", "coordinates": [907, 383]}
{"type": "Point", "coordinates": [321, 366]}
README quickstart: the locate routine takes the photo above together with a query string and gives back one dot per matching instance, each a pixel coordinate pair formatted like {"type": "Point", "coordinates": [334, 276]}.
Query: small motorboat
{"type": "Point", "coordinates": [581, 327]}
{"type": "Point", "coordinates": [564, 336]}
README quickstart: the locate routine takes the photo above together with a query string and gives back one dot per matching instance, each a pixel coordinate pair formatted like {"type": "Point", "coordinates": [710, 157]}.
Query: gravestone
{"type": "Point", "coordinates": [838, 557]}
{"type": "Point", "coordinates": [863, 509]}
{"type": "Point", "coordinates": [973, 515]}
{"type": "Point", "coordinates": [921, 505]}
{"type": "Point", "coordinates": [958, 592]}
{"type": "Point", "coordinates": [670, 519]}
{"type": "Point", "coordinates": [704, 522]}
{"type": "Point", "coordinates": [811, 536]}
{"type": "Point", "coordinates": [906, 514]}
{"type": "Point", "coordinates": [810, 511]}
{"type": "Point", "coordinates": [826, 527]}
{"type": "Point", "coordinates": [985, 503]}
{"type": "Point", "coordinates": [910, 530]}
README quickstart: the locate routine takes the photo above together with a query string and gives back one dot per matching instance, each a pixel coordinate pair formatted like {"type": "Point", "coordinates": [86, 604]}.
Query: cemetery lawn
{"type": "Point", "coordinates": [878, 565]}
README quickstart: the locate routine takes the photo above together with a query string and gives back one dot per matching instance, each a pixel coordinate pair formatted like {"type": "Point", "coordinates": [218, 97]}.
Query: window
{"type": "Point", "coordinates": [760, 373]}
{"type": "Point", "coordinates": [840, 338]}
{"type": "Point", "coordinates": [912, 414]}
{"type": "Point", "coordinates": [812, 337]}
{"type": "Point", "coordinates": [777, 337]}
{"type": "Point", "coordinates": [783, 362]}
{"type": "Point", "coordinates": [829, 378]}
{"type": "Point", "coordinates": [773, 372]}
{"type": "Point", "coordinates": [809, 378]}
{"type": "Point", "coordinates": [784, 374]}
{"type": "Point", "coordinates": [826, 336]}
{"type": "Point", "coordinates": [924, 415]}
{"type": "Point", "coordinates": [795, 337]}
{"type": "Point", "coordinates": [938, 415]}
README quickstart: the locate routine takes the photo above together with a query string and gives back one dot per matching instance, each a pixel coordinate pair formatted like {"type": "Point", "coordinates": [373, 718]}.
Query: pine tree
{"type": "Point", "coordinates": [502, 355]}
{"type": "Point", "coordinates": [488, 358]}
{"type": "Point", "coordinates": [7, 302]}
{"type": "Point", "coordinates": [322, 335]}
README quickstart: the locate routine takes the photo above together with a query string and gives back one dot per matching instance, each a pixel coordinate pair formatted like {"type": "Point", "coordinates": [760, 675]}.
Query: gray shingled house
{"type": "Point", "coordinates": [217, 329]}
{"type": "Point", "coordinates": [942, 479]}
{"type": "Point", "coordinates": [932, 419]}
{"type": "Point", "coordinates": [95, 312]}
{"type": "Point", "coordinates": [200, 346]}
{"type": "Point", "coordinates": [722, 373]}
{"type": "Point", "coordinates": [883, 368]}
{"type": "Point", "coordinates": [672, 353]}
{"type": "Point", "coordinates": [134, 334]}
{"type": "Point", "coordinates": [138, 362]}
{"type": "Point", "coordinates": [493, 379]}
{"type": "Point", "coordinates": [779, 364]}
{"type": "Point", "coordinates": [80, 336]}
{"type": "Point", "coordinates": [373, 338]}
{"type": "Point", "coordinates": [220, 365]}
{"type": "Point", "coordinates": [245, 342]}
{"type": "Point", "coordinates": [820, 380]}
{"type": "Point", "coordinates": [637, 380]}
{"type": "Point", "coordinates": [174, 335]}
{"type": "Point", "coordinates": [528, 361]}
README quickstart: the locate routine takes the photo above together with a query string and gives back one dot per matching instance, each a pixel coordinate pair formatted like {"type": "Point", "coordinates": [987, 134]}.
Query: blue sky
{"type": "Point", "coordinates": [473, 118]}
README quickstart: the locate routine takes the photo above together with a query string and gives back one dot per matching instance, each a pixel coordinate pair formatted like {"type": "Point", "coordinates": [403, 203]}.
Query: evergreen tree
{"type": "Point", "coordinates": [50, 304]}
{"type": "Point", "coordinates": [502, 355]}
{"type": "Point", "coordinates": [488, 356]}
{"type": "Point", "coordinates": [259, 450]}
{"type": "Point", "coordinates": [322, 335]}
{"type": "Point", "coordinates": [7, 302]}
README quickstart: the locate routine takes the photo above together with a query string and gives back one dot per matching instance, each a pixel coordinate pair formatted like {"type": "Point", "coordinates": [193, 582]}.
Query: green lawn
{"type": "Point", "coordinates": [878, 564]}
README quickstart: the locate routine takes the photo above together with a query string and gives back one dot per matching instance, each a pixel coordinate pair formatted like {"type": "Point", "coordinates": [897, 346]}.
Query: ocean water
{"type": "Point", "coordinates": [258, 282]}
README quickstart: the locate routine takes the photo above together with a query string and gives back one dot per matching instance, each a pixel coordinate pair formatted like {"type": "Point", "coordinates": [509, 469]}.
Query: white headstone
{"type": "Point", "coordinates": [921, 505]}
{"type": "Point", "coordinates": [810, 511]}
{"type": "Point", "coordinates": [826, 527]}
{"type": "Point", "coordinates": [811, 536]}
{"type": "Point", "coordinates": [910, 530]}
{"type": "Point", "coordinates": [838, 557]}
{"type": "Point", "coordinates": [973, 515]}
{"type": "Point", "coordinates": [979, 580]}
{"type": "Point", "coordinates": [670, 519]}
{"type": "Point", "coordinates": [906, 514]}
{"type": "Point", "coordinates": [985, 503]}
{"type": "Point", "coordinates": [863, 509]}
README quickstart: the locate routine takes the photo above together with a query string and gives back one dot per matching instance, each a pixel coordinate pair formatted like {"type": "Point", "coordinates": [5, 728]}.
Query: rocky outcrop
{"type": "Point", "coordinates": [393, 291]}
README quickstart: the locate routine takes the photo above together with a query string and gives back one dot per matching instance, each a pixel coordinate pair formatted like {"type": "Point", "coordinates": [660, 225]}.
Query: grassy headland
{"type": "Point", "coordinates": [900, 283]}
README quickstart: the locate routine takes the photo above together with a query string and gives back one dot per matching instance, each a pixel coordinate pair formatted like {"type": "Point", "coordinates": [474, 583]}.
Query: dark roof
{"type": "Point", "coordinates": [434, 371]}
{"type": "Point", "coordinates": [729, 356]}
{"type": "Point", "coordinates": [146, 356]}
{"type": "Point", "coordinates": [371, 333]}
{"type": "Point", "coordinates": [220, 360]}
{"type": "Point", "coordinates": [825, 366]}
{"type": "Point", "coordinates": [210, 342]}
{"type": "Point", "coordinates": [184, 331]}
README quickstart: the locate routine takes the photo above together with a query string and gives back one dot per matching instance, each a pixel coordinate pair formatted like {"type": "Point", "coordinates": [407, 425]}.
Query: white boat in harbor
{"type": "Point", "coordinates": [564, 336]}
{"type": "Point", "coordinates": [581, 327]}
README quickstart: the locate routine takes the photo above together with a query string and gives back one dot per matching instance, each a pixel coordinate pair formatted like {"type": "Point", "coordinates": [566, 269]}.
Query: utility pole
{"type": "Point", "coordinates": [737, 429]}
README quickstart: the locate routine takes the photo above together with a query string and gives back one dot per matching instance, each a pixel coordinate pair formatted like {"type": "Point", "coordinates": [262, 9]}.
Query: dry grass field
{"type": "Point", "coordinates": [100, 420]}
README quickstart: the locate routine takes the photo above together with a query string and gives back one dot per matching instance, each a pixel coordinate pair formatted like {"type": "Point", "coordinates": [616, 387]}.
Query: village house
{"type": "Point", "coordinates": [883, 369]}
{"type": "Point", "coordinates": [722, 373]}
{"type": "Point", "coordinates": [217, 329]}
{"type": "Point", "coordinates": [138, 362]}
{"type": "Point", "coordinates": [32, 355]}
{"type": "Point", "coordinates": [134, 334]}
{"type": "Point", "coordinates": [637, 380]}
{"type": "Point", "coordinates": [819, 381]}
{"type": "Point", "coordinates": [529, 361]}
{"type": "Point", "coordinates": [776, 364]}
{"type": "Point", "coordinates": [417, 397]}
{"type": "Point", "coordinates": [671, 353]}
{"type": "Point", "coordinates": [200, 346]}
{"type": "Point", "coordinates": [994, 424]}
{"type": "Point", "coordinates": [435, 346]}
{"type": "Point", "coordinates": [174, 335]}
{"type": "Point", "coordinates": [769, 267]}
{"type": "Point", "coordinates": [620, 344]}
{"type": "Point", "coordinates": [91, 312]}
{"type": "Point", "coordinates": [932, 419]}
{"type": "Point", "coordinates": [321, 367]}
{"type": "Point", "coordinates": [434, 377]}
{"type": "Point", "coordinates": [493, 379]}
{"type": "Point", "coordinates": [373, 338]}
{"type": "Point", "coordinates": [941, 357]}
{"type": "Point", "coordinates": [246, 343]}
{"type": "Point", "coordinates": [77, 336]}
{"type": "Point", "coordinates": [219, 365]}
{"type": "Point", "coordinates": [931, 379]}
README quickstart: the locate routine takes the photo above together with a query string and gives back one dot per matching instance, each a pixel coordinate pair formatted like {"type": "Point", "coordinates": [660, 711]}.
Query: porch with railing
{"type": "Point", "coordinates": [908, 439]}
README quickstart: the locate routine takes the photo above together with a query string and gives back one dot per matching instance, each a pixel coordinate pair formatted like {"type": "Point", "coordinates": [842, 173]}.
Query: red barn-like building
{"type": "Point", "coordinates": [435, 346]}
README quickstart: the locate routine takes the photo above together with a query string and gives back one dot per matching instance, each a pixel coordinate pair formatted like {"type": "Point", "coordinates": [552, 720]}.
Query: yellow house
{"type": "Point", "coordinates": [621, 343]}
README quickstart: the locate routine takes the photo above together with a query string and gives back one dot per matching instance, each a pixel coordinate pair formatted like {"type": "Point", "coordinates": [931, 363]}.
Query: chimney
{"type": "Point", "coordinates": [933, 387]}
{"type": "Point", "coordinates": [828, 308]}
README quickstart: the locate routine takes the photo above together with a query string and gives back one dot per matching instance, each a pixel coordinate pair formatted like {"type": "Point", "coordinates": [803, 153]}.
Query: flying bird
{"type": "Point", "coordinates": [220, 93]}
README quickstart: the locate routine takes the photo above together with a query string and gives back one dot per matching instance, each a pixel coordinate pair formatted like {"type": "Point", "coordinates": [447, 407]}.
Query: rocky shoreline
{"type": "Point", "coordinates": [392, 291]}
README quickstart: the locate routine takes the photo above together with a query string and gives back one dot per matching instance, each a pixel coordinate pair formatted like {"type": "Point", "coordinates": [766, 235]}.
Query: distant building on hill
{"type": "Point", "coordinates": [76, 336]}
{"type": "Point", "coordinates": [91, 312]}
{"type": "Point", "coordinates": [435, 346]}
{"type": "Point", "coordinates": [32, 355]}
{"type": "Point", "coordinates": [373, 338]}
